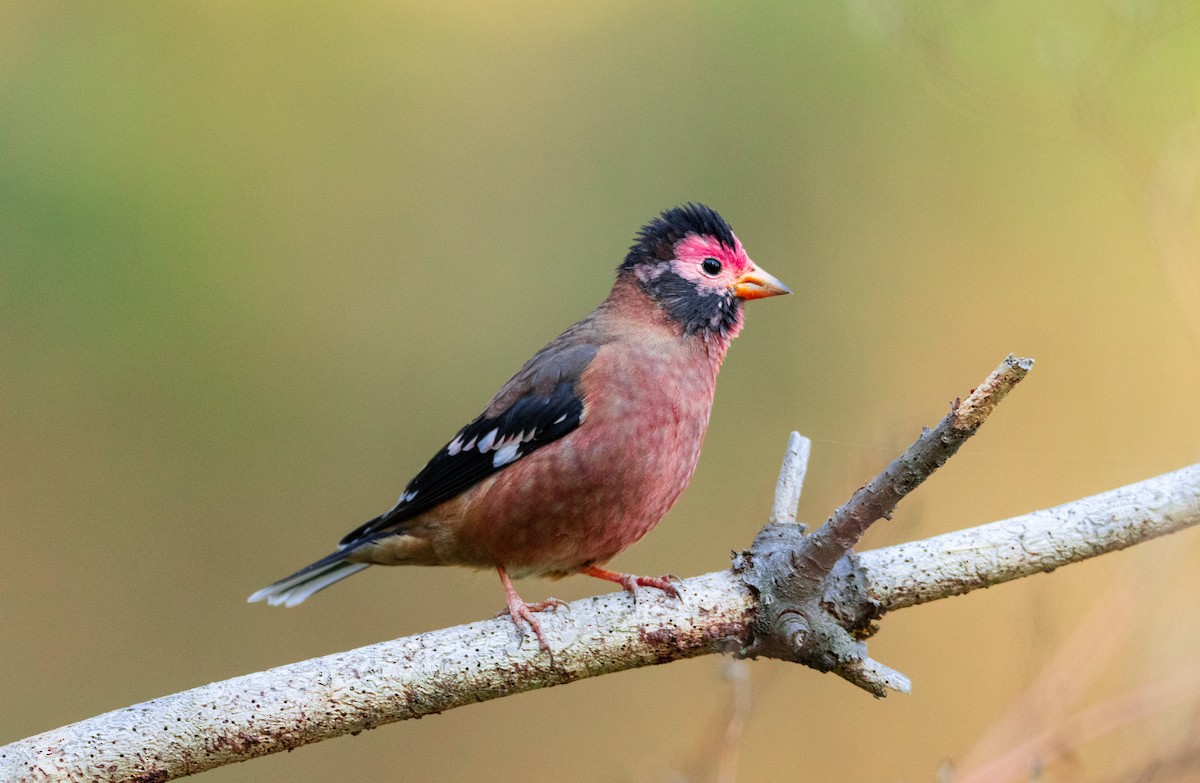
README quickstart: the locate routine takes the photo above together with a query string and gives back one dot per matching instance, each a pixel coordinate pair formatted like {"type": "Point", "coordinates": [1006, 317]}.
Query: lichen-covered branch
{"type": "Point", "coordinates": [284, 708]}
{"type": "Point", "coordinates": [313, 700]}
{"type": "Point", "coordinates": [921, 571]}
{"type": "Point", "coordinates": [322, 698]}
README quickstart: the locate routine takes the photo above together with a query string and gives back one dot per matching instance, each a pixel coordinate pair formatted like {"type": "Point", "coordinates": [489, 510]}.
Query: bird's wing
{"type": "Point", "coordinates": [539, 405]}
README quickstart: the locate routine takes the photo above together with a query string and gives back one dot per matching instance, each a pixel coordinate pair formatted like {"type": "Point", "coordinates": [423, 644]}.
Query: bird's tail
{"type": "Point", "coordinates": [308, 580]}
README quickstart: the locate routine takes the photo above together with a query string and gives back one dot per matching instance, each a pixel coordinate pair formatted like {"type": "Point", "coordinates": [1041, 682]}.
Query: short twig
{"type": "Point", "coordinates": [791, 479]}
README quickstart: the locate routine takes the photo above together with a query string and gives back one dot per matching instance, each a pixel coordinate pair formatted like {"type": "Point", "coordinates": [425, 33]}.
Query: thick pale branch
{"type": "Point", "coordinates": [348, 692]}
{"type": "Point", "coordinates": [283, 708]}
{"type": "Point", "coordinates": [920, 571]}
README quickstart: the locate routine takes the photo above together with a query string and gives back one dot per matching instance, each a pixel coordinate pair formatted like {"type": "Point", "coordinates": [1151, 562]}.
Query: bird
{"type": "Point", "coordinates": [589, 444]}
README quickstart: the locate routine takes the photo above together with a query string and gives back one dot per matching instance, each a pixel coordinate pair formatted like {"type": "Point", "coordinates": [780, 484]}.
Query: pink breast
{"type": "Point", "coordinates": [587, 497]}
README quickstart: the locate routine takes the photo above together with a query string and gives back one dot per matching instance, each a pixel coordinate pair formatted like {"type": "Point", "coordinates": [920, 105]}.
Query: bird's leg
{"type": "Point", "coordinates": [519, 610]}
{"type": "Point", "coordinates": [631, 582]}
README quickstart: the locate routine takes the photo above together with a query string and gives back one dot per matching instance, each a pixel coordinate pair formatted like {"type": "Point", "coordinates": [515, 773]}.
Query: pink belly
{"type": "Point", "coordinates": [585, 498]}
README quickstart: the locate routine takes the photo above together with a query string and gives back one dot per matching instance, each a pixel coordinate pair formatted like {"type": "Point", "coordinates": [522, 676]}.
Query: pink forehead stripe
{"type": "Point", "coordinates": [696, 246]}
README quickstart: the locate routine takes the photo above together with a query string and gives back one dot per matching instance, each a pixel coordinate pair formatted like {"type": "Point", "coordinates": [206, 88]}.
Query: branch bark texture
{"type": "Point", "coordinates": [954, 563]}
{"type": "Point", "coordinates": [347, 692]}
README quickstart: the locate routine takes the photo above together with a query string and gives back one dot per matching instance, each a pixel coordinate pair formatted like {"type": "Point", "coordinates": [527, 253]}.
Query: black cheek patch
{"type": "Point", "coordinates": [695, 311]}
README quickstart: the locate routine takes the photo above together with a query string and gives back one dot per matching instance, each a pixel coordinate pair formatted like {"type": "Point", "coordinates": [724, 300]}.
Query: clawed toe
{"type": "Point", "coordinates": [520, 611]}
{"type": "Point", "coordinates": [525, 612]}
{"type": "Point", "coordinates": [553, 604]}
{"type": "Point", "coordinates": [632, 583]}
{"type": "Point", "coordinates": [663, 583]}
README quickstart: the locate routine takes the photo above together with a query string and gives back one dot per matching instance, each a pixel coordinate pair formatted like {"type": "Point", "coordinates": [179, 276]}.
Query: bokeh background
{"type": "Point", "coordinates": [258, 261]}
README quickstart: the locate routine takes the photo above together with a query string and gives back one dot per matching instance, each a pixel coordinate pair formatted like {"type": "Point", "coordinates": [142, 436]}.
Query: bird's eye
{"type": "Point", "coordinates": [711, 267]}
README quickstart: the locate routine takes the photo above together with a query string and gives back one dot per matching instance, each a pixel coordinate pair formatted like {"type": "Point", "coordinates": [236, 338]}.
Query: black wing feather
{"type": "Point", "coordinates": [485, 446]}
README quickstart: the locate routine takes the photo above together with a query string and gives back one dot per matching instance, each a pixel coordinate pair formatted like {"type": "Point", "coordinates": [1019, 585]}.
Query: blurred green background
{"type": "Point", "coordinates": [258, 261]}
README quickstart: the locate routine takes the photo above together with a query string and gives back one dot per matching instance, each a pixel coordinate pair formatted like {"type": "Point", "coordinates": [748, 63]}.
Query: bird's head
{"type": "Point", "coordinates": [689, 261]}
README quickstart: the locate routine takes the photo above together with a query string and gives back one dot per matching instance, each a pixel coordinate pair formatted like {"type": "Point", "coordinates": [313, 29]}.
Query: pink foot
{"type": "Point", "coordinates": [518, 610]}
{"type": "Point", "coordinates": [632, 583]}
